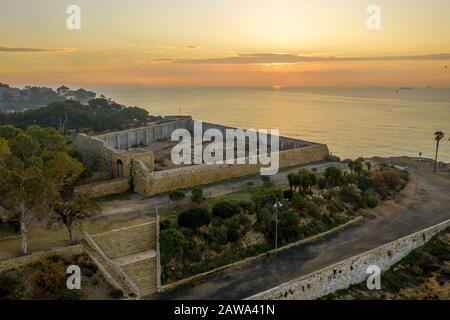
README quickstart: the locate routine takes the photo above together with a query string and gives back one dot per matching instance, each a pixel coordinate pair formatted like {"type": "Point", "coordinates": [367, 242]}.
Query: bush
{"type": "Point", "coordinates": [385, 181]}
{"type": "Point", "coordinates": [312, 209]}
{"type": "Point", "coordinates": [332, 158]}
{"type": "Point", "coordinates": [165, 224]}
{"type": "Point", "coordinates": [267, 182]}
{"type": "Point", "coordinates": [287, 194]}
{"type": "Point", "coordinates": [322, 183]}
{"type": "Point", "coordinates": [297, 201]}
{"type": "Point", "coordinates": [49, 281]}
{"type": "Point", "coordinates": [218, 236]}
{"type": "Point", "coordinates": [177, 195]}
{"type": "Point", "coordinates": [372, 202]}
{"type": "Point", "coordinates": [233, 235]}
{"type": "Point", "coordinates": [333, 176]}
{"type": "Point", "coordinates": [194, 218]}
{"type": "Point", "coordinates": [226, 209]}
{"type": "Point", "coordinates": [197, 195]}
{"type": "Point", "coordinates": [247, 206]}
{"type": "Point", "coordinates": [172, 242]}
{"type": "Point", "coordinates": [364, 182]}
{"type": "Point", "coordinates": [263, 197]}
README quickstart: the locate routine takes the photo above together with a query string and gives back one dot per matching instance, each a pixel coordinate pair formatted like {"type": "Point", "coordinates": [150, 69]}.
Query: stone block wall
{"type": "Point", "coordinates": [38, 256]}
{"type": "Point", "coordinates": [104, 188]}
{"type": "Point", "coordinates": [150, 183]}
{"type": "Point", "coordinates": [350, 271]}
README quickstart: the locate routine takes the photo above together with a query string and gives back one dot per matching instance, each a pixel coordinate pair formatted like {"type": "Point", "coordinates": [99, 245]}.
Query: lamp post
{"type": "Point", "coordinates": [418, 172]}
{"type": "Point", "coordinates": [277, 205]}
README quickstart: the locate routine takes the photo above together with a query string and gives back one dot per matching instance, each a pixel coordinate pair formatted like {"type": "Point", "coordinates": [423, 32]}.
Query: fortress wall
{"type": "Point", "coordinates": [94, 152]}
{"type": "Point", "coordinates": [168, 180]}
{"type": "Point", "coordinates": [104, 188]}
{"type": "Point", "coordinates": [350, 271]}
{"type": "Point", "coordinates": [143, 136]}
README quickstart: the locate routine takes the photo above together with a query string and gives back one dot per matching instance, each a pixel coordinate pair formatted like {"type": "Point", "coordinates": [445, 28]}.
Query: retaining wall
{"type": "Point", "coordinates": [150, 183]}
{"type": "Point", "coordinates": [350, 271]}
{"type": "Point", "coordinates": [104, 188]}
{"type": "Point", "coordinates": [35, 257]}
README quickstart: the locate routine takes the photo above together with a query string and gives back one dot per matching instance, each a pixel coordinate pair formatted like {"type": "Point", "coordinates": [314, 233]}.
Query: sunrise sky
{"type": "Point", "coordinates": [225, 43]}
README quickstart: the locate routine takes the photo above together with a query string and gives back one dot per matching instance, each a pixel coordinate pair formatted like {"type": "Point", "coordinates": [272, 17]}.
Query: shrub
{"type": "Point", "coordinates": [226, 209]}
{"type": "Point", "coordinates": [364, 182]}
{"type": "Point", "coordinates": [247, 206]}
{"type": "Point", "coordinates": [49, 281]}
{"type": "Point", "coordinates": [233, 235]}
{"type": "Point", "coordinates": [194, 218]}
{"type": "Point", "coordinates": [197, 195]}
{"type": "Point", "coordinates": [287, 194]}
{"type": "Point", "coordinates": [332, 158]}
{"type": "Point", "coordinates": [172, 242]}
{"type": "Point", "coordinates": [297, 201]}
{"type": "Point", "coordinates": [322, 182]}
{"type": "Point", "coordinates": [218, 236]}
{"type": "Point", "coordinates": [165, 224]}
{"type": "Point", "coordinates": [333, 176]}
{"type": "Point", "coordinates": [385, 181]}
{"type": "Point", "coordinates": [372, 202]}
{"type": "Point", "coordinates": [312, 209]}
{"type": "Point", "coordinates": [177, 195]}
{"type": "Point", "coordinates": [262, 197]}
{"type": "Point", "coordinates": [351, 179]}
{"type": "Point", "coordinates": [351, 195]}
{"type": "Point", "coordinates": [267, 182]}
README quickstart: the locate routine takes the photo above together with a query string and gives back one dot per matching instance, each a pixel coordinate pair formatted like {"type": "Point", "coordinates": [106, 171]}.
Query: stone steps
{"type": "Point", "coordinates": [144, 274]}
{"type": "Point", "coordinates": [127, 241]}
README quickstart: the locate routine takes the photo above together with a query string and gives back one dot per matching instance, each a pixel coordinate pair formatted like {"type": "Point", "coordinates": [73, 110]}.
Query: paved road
{"type": "Point", "coordinates": [394, 219]}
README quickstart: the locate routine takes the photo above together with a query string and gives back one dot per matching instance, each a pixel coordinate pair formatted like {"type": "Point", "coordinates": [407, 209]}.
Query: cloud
{"type": "Point", "coordinates": [181, 47]}
{"type": "Point", "coordinates": [287, 58]}
{"type": "Point", "coordinates": [37, 50]}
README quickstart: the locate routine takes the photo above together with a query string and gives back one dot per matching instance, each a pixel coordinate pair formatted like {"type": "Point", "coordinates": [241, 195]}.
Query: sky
{"type": "Point", "coordinates": [244, 43]}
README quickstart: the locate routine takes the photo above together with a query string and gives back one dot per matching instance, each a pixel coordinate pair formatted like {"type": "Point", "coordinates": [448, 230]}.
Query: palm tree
{"type": "Point", "coordinates": [438, 135]}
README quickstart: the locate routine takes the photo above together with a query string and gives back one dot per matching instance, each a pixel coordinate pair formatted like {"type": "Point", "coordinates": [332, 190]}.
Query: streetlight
{"type": "Point", "coordinates": [418, 172]}
{"type": "Point", "coordinates": [277, 205]}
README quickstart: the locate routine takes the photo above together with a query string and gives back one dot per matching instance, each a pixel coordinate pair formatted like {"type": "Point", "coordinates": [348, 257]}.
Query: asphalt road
{"type": "Point", "coordinates": [410, 213]}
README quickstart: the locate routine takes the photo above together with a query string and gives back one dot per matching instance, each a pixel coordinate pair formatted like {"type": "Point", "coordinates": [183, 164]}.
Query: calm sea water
{"type": "Point", "coordinates": [353, 122]}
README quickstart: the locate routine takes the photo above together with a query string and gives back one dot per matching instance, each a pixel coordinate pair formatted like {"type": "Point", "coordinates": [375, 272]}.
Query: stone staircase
{"type": "Point", "coordinates": [130, 257]}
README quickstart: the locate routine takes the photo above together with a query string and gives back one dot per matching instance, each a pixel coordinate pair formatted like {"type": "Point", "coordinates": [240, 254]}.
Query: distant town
{"type": "Point", "coordinates": [15, 99]}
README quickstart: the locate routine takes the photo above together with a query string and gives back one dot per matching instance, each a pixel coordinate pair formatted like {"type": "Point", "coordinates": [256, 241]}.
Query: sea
{"type": "Point", "coordinates": [353, 122]}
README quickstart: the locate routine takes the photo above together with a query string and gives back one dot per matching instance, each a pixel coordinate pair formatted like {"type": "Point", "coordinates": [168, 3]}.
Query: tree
{"type": "Point", "coordinates": [307, 180]}
{"type": "Point", "coordinates": [194, 218]}
{"type": "Point", "coordinates": [351, 165]}
{"type": "Point", "coordinates": [172, 242]}
{"type": "Point", "coordinates": [438, 136]}
{"type": "Point", "coordinates": [33, 171]}
{"type": "Point", "coordinates": [197, 195]}
{"type": "Point", "coordinates": [333, 175]}
{"type": "Point", "coordinates": [72, 212]}
{"type": "Point", "coordinates": [226, 209]}
{"type": "Point", "coordinates": [294, 181]}
{"type": "Point", "coordinates": [369, 165]}
{"type": "Point", "coordinates": [358, 167]}
{"type": "Point", "coordinates": [177, 195]}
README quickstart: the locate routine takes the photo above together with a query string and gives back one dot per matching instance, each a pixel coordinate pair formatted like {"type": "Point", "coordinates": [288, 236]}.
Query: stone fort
{"type": "Point", "coordinates": [139, 159]}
